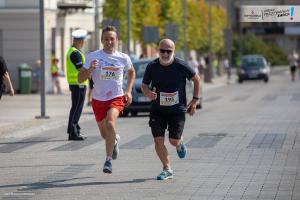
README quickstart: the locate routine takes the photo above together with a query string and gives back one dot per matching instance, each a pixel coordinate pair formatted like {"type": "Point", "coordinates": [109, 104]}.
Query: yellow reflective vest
{"type": "Point", "coordinates": [72, 71]}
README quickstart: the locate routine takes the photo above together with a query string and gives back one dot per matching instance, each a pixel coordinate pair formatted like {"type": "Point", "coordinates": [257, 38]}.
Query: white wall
{"type": "Point", "coordinates": [20, 40]}
{"type": "Point", "coordinates": [19, 23]}
{"type": "Point", "coordinates": [21, 3]}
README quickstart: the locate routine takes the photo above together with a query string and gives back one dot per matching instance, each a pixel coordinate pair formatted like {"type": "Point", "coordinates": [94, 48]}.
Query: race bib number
{"type": "Point", "coordinates": [110, 73]}
{"type": "Point", "coordinates": [169, 99]}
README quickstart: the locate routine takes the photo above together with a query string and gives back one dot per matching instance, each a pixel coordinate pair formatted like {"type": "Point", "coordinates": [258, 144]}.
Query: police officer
{"type": "Point", "coordinates": [75, 60]}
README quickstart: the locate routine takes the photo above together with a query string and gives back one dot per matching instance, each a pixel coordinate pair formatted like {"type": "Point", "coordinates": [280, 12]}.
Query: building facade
{"type": "Point", "coordinates": [20, 34]}
{"type": "Point", "coordinates": [285, 35]}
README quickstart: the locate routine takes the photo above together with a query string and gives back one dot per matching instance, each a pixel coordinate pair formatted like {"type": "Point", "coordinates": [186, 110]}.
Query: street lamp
{"type": "Point", "coordinates": [184, 28]}
{"type": "Point", "coordinates": [42, 58]}
{"type": "Point", "coordinates": [128, 26]}
{"type": "Point", "coordinates": [97, 42]}
{"type": "Point", "coordinates": [208, 70]}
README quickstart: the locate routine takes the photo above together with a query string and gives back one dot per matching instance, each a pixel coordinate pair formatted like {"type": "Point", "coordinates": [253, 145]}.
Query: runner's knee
{"type": "Point", "coordinates": [174, 142]}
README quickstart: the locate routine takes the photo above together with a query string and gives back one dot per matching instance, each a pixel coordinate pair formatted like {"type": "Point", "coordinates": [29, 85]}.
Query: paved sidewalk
{"type": "Point", "coordinates": [18, 113]}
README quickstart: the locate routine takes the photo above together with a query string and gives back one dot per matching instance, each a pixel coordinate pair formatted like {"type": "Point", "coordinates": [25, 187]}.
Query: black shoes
{"type": "Point", "coordinates": [76, 137]}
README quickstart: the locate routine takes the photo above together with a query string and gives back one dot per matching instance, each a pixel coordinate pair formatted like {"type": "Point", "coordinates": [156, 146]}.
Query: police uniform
{"type": "Point", "coordinates": [75, 60]}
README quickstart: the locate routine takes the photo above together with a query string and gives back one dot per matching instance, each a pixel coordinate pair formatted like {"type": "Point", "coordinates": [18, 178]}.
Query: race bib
{"type": "Point", "coordinates": [169, 99]}
{"type": "Point", "coordinates": [110, 73]}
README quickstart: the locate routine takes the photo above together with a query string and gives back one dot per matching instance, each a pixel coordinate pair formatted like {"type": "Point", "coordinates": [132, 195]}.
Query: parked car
{"type": "Point", "coordinates": [254, 67]}
{"type": "Point", "coordinates": [141, 103]}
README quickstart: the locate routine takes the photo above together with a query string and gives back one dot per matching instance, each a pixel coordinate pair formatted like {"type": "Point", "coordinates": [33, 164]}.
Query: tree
{"type": "Point", "coordinates": [162, 12]}
{"type": "Point", "coordinates": [255, 45]}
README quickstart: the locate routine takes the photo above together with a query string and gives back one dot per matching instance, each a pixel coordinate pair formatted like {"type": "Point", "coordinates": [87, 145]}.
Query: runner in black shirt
{"type": "Point", "coordinates": [166, 77]}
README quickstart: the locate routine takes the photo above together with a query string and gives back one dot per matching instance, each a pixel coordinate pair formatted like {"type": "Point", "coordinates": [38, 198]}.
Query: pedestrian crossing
{"type": "Point", "coordinates": [294, 97]}
{"type": "Point", "coordinates": [209, 140]}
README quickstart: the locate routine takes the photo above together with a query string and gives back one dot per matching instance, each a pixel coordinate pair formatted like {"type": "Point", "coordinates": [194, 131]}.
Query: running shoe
{"type": "Point", "coordinates": [107, 167]}
{"type": "Point", "coordinates": [181, 151]}
{"type": "Point", "coordinates": [116, 147]}
{"type": "Point", "coordinates": [165, 174]}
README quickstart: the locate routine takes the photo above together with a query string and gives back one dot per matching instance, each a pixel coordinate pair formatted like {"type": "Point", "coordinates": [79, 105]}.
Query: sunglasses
{"type": "Point", "coordinates": [165, 51]}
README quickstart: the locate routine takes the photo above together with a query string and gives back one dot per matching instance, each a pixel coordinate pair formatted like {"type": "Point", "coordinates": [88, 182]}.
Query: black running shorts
{"type": "Point", "coordinates": [159, 122]}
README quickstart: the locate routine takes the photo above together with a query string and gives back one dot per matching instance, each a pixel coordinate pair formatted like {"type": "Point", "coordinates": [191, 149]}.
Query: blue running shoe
{"type": "Point", "coordinates": [181, 151]}
{"type": "Point", "coordinates": [165, 174]}
{"type": "Point", "coordinates": [116, 147]}
{"type": "Point", "coordinates": [107, 167]}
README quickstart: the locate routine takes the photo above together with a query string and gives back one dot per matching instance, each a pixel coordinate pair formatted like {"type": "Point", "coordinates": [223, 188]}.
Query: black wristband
{"type": "Point", "coordinates": [196, 98]}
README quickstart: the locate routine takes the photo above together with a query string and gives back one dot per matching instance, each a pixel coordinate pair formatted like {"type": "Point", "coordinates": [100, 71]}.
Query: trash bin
{"type": "Point", "coordinates": [25, 75]}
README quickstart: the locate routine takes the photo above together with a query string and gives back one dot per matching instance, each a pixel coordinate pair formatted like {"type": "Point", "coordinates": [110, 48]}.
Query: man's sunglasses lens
{"type": "Point", "coordinates": [165, 50]}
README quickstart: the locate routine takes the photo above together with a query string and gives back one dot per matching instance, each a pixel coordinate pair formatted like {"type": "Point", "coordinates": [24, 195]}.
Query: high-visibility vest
{"type": "Point", "coordinates": [54, 69]}
{"type": "Point", "coordinates": [72, 71]}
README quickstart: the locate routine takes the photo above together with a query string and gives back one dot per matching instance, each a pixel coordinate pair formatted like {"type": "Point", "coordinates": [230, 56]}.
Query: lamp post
{"type": "Point", "coordinates": [184, 29]}
{"type": "Point", "coordinates": [42, 58]}
{"type": "Point", "coordinates": [128, 26]}
{"type": "Point", "coordinates": [208, 70]}
{"type": "Point", "coordinates": [97, 42]}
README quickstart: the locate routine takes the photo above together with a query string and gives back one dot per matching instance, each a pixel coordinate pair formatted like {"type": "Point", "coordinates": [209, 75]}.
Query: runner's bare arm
{"type": "Point", "coordinates": [11, 88]}
{"type": "Point", "coordinates": [148, 93]}
{"type": "Point", "coordinates": [84, 73]}
{"type": "Point", "coordinates": [130, 81]}
{"type": "Point", "coordinates": [196, 94]}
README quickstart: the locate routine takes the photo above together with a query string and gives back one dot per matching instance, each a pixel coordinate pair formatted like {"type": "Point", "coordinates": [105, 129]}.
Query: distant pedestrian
{"type": "Point", "coordinates": [75, 61]}
{"type": "Point", "coordinates": [166, 77]}
{"type": "Point", "coordinates": [107, 67]}
{"type": "Point", "coordinates": [194, 64]}
{"type": "Point", "coordinates": [227, 68]}
{"type": "Point", "coordinates": [293, 59]}
{"type": "Point", "coordinates": [55, 76]}
{"type": "Point", "coordinates": [202, 65]}
{"type": "Point", "coordinates": [4, 76]}
{"type": "Point", "coordinates": [37, 74]}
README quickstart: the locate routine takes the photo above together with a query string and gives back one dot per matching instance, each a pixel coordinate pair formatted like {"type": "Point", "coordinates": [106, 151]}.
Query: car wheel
{"type": "Point", "coordinates": [134, 113]}
{"type": "Point", "coordinates": [240, 80]}
{"type": "Point", "coordinates": [266, 79]}
{"type": "Point", "coordinates": [125, 114]}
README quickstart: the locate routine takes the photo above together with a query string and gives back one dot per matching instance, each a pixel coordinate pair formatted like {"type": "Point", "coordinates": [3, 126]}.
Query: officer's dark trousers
{"type": "Point", "coordinates": [78, 96]}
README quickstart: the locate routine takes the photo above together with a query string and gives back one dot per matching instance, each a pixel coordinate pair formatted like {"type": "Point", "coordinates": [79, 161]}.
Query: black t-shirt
{"type": "Point", "coordinates": [76, 59]}
{"type": "Point", "coordinates": [3, 69]}
{"type": "Point", "coordinates": [169, 81]}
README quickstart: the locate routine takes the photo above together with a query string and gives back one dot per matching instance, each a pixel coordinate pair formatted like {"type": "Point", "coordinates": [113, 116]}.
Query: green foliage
{"type": "Point", "coordinates": [255, 45]}
{"type": "Point", "coordinates": [276, 56]}
{"type": "Point", "coordinates": [162, 12]}
{"type": "Point", "coordinates": [116, 10]}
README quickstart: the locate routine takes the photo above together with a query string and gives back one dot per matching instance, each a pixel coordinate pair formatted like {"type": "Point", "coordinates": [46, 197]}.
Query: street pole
{"type": "Point", "coordinates": [241, 35]}
{"type": "Point", "coordinates": [184, 29]}
{"type": "Point", "coordinates": [128, 26]}
{"type": "Point", "coordinates": [42, 54]}
{"type": "Point", "coordinates": [208, 70]}
{"type": "Point", "coordinates": [229, 34]}
{"type": "Point", "coordinates": [97, 41]}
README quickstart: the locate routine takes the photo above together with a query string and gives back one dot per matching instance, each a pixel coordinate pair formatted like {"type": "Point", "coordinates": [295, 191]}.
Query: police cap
{"type": "Point", "coordinates": [79, 34]}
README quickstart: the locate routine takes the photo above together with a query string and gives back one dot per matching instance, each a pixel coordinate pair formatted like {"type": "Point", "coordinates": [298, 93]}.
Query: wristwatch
{"type": "Point", "coordinates": [196, 98]}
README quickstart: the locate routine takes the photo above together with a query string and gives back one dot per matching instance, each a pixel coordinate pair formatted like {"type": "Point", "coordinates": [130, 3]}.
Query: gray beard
{"type": "Point", "coordinates": [165, 63]}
